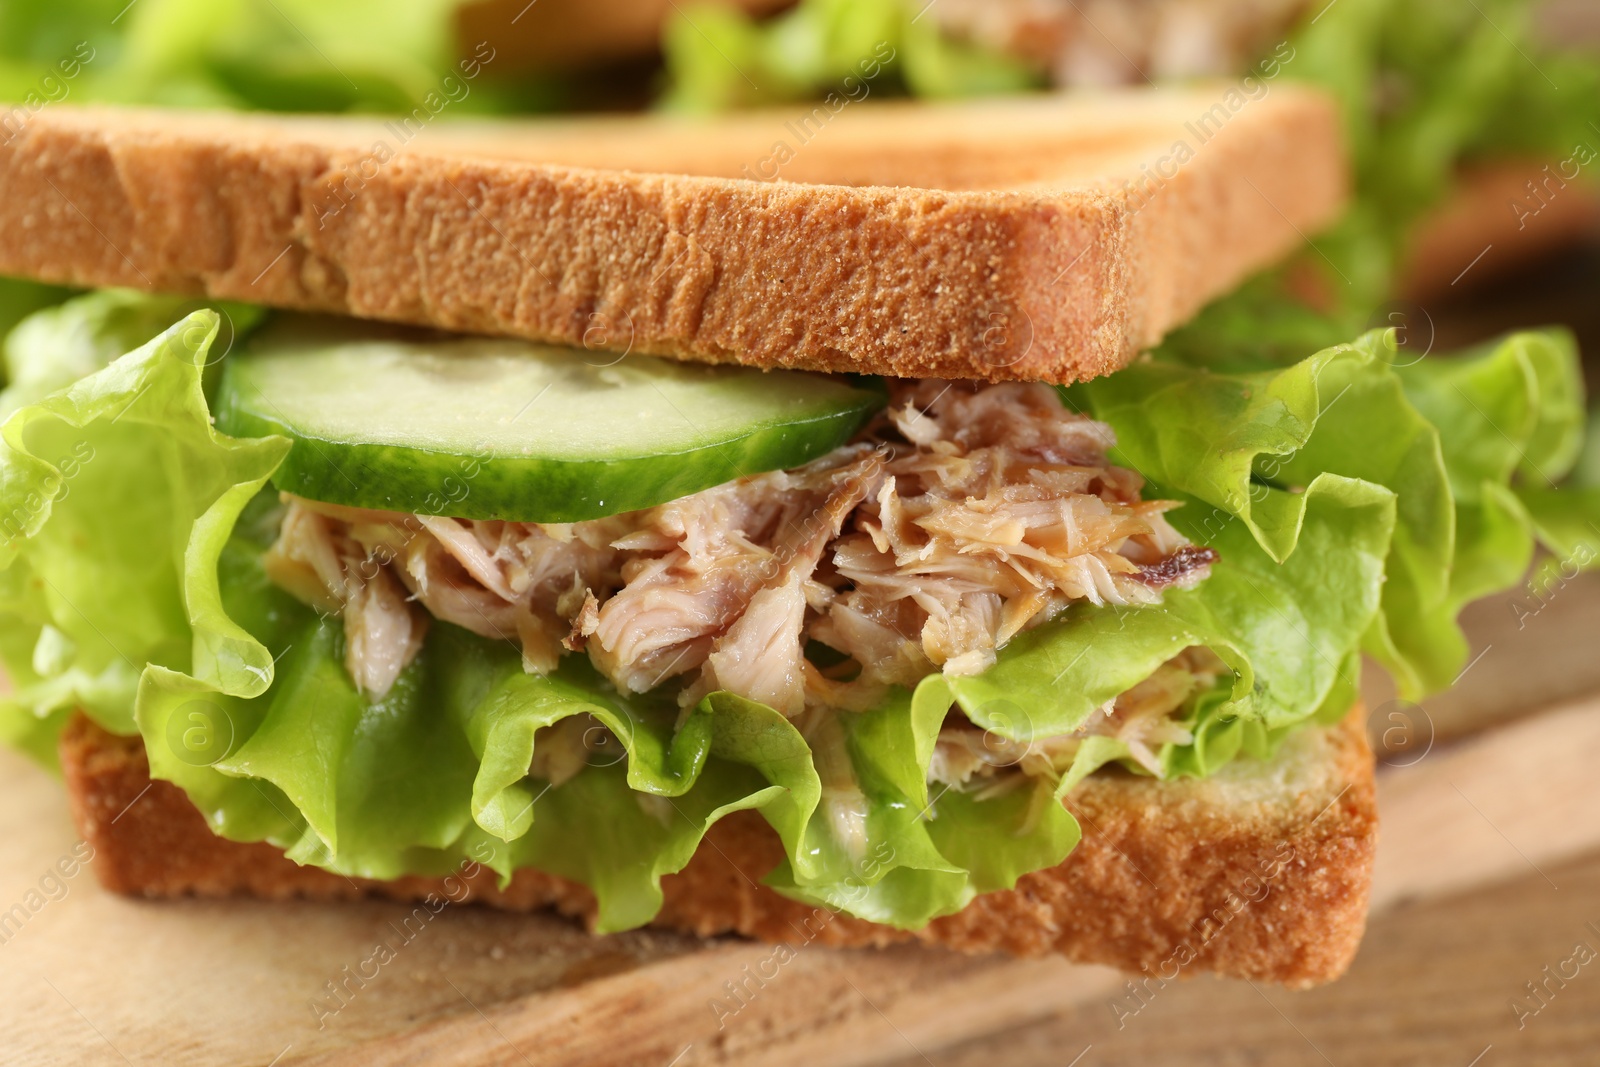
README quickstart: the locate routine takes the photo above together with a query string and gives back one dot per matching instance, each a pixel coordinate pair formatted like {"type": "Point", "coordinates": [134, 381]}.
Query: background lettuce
{"type": "Point", "coordinates": [718, 57]}
{"type": "Point", "coordinates": [1426, 86]}
{"type": "Point", "coordinates": [59, 345]}
{"type": "Point", "coordinates": [19, 299]}
{"type": "Point", "coordinates": [282, 55]}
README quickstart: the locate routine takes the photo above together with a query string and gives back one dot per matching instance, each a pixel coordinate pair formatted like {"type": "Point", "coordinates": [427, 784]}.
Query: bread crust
{"type": "Point", "coordinates": [1044, 238]}
{"type": "Point", "coordinates": [1261, 872]}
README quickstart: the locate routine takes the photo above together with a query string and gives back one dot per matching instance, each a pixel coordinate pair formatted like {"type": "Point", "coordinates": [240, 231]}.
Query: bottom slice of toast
{"type": "Point", "coordinates": [1261, 871]}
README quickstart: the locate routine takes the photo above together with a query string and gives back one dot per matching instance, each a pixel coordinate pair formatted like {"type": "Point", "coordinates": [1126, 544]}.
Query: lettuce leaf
{"type": "Point", "coordinates": [718, 57]}
{"type": "Point", "coordinates": [1513, 426]}
{"type": "Point", "coordinates": [132, 587]}
{"type": "Point", "coordinates": [1426, 88]}
{"type": "Point", "coordinates": [118, 468]}
{"type": "Point", "coordinates": [240, 694]}
{"type": "Point", "coordinates": [278, 745]}
{"type": "Point", "coordinates": [1290, 631]}
{"type": "Point", "coordinates": [280, 55]}
{"type": "Point", "coordinates": [1464, 443]}
{"type": "Point", "coordinates": [55, 347]}
{"type": "Point", "coordinates": [437, 771]}
{"type": "Point", "coordinates": [1427, 85]}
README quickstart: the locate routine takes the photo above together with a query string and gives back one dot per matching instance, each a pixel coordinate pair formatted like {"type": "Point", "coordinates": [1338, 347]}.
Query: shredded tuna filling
{"type": "Point", "coordinates": [963, 516]}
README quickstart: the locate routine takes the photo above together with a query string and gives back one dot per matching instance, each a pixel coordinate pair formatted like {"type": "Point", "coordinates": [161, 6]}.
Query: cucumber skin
{"type": "Point", "coordinates": [414, 480]}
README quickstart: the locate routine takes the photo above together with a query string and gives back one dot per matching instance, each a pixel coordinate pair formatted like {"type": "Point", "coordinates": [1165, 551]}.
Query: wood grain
{"type": "Point", "coordinates": [825, 1006]}
{"type": "Point", "coordinates": [1434, 984]}
{"type": "Point", "coordinates": [1525, 795]}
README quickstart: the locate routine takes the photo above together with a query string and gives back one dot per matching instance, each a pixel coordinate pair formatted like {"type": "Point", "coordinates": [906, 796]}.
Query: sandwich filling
{"type": "Point", "coordinates": [398, 602]}
{"type": "Point", "coordinates": [963, 517]}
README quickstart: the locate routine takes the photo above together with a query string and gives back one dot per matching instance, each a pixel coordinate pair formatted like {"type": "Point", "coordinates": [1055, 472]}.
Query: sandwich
{"type": "Point", "coordinates": [548, 515]}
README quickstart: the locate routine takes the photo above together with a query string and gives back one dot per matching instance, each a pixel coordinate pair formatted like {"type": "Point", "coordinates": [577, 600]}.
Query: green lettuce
{"type": "Point", "coordinates": [279, 55]}
{"type": "Point", "coordinates": [1357, 499]}
{"type": "Point", "coordinates": [20, 298]}
{"type": "Point", "coordinates": [1513, 428]}
{"type": "Point", "coordinates": [1289, 630]}
{"type": "Point", "coordinates": [1425, 86]}
{"type": "Point", "coordinates": [116, 470]}
{"type": "Point", "coordinates": [71, 340]}
{"type": "Point", "coordinates": [133, 589]}
{"type": "Point", "coordinates": [718, 57]}
{"type": "Point", "coordinates": [1428, 86]}
{"type": "Point", "coordinates": [271, 739]}
{"type": "Point", "coordinates": [1464, 444]}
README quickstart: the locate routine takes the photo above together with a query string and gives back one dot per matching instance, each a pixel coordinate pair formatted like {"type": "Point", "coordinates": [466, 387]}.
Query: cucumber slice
{"type": "Point", "coordinates": [501, 429]}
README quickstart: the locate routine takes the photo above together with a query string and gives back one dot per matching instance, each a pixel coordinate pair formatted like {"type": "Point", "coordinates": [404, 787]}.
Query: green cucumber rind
{"type": "Point", "coordinates": [425, 481]}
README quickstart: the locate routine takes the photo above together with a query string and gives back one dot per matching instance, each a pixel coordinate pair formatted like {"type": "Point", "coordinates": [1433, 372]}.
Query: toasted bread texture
{"type": "Point", "coordinates": [1039, 238]}
{"type": "Point", "coordinates": [1261, 871]}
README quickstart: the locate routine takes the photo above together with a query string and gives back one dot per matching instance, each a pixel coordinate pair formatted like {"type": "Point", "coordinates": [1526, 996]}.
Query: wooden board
{"type": "Point", "coordinates": [1433, 985]}
{"type": "Point", "coordinates": [90, 978]}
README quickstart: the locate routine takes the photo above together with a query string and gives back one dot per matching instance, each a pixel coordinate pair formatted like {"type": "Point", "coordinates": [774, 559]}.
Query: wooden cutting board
{"type": "Point", "coordinates": [1434, 984]}
{"type": "Point", "coordinates": [92, 979]}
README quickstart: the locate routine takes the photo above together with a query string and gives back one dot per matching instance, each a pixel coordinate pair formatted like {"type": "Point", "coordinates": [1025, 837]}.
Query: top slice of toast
{"type": "Point", "coordinates": [1038, 238]}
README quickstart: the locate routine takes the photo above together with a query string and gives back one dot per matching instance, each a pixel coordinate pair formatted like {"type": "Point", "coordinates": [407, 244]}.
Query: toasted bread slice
{"type": "Point", "coordinates": [1038, 238]}
{"type": "Point", "coordinates": [1262, 871]}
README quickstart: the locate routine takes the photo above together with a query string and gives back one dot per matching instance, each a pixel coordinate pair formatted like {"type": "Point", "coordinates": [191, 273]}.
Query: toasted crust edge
{"type": "Point", "coordinates": [1164, 881]}
{"type": "Point", "coordinates": [912, 282]}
